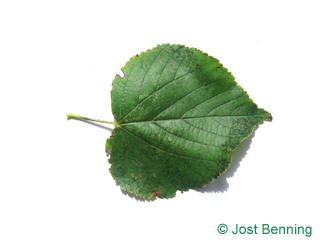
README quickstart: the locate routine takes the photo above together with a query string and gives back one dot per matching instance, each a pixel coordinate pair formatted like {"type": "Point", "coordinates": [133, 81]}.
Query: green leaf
{"type": "Point", "coordinates": [180, 113]}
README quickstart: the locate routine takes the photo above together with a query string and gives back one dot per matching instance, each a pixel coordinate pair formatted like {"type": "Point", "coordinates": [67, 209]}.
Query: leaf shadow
{"type": "Point", "coordinates": [221, 184]}
{"type": "Point", "coordinates": [92, 123]}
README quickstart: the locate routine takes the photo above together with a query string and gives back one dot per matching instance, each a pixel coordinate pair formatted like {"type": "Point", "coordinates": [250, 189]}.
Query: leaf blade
{"type": "Point", "coordinates": [184, 114]}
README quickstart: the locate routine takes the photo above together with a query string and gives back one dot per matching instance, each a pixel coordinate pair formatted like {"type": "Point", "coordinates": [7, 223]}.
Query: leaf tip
{"type": "Point", "coordinates": [269, 118]}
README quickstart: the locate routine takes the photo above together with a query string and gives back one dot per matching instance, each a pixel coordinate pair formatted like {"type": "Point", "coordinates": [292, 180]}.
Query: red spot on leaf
{"type": "Point", "coordinates": [155, 193]}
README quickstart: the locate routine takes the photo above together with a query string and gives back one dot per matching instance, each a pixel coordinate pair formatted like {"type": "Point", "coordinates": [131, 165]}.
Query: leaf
{"type": "Point", "coordinates": [180, 113]}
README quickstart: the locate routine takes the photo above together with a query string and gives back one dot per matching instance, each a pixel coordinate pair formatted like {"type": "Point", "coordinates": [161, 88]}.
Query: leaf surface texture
{"type": "Point", "coordinates": [180, 113]}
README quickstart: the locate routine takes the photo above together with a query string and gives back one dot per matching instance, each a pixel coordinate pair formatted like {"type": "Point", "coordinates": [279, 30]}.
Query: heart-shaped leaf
{"type": "Point", "coordinates": [179, 114]}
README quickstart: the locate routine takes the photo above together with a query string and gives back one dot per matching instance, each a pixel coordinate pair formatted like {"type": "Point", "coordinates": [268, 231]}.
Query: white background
{"type": "Point", "coordinates": [58, 57]}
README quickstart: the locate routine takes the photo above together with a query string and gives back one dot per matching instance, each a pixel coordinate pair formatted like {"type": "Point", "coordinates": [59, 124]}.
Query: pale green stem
{"type": "Point", "coordinates": [69, 115]}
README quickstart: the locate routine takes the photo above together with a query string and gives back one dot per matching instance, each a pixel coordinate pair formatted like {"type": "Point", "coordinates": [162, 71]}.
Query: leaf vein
{"type": "Point", "coordinates": [149, 69]}
{"type": "Point", "coordinates": [166, 66]}
{"type": "Point", "coordinates": [231, 100]}
{"type": "Point", "coordinates": [211, 131]}
{"type": "Point", "coordinates": [184, 137]}
{"type": "Point", "coordinates": [155, 92]}
{"type": "Point", "coordinates": [162, 150]}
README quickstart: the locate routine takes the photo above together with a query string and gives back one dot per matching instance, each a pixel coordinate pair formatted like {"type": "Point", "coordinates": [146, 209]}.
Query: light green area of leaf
{"type": "Point", "coordinates": [180, 114]}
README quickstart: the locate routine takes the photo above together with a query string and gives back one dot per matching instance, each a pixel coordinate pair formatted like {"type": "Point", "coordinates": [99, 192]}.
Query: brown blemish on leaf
{"type": "Point", "coordinates": [135, 175]}
{"type": "Point", "coordinates": [270, 118]}
{"type": "Point", "coordinates": [155, 193]}
{"type": "Point", "coordinates": [124, 75]}
{"type": "Point", "coordinates": [142, 175]}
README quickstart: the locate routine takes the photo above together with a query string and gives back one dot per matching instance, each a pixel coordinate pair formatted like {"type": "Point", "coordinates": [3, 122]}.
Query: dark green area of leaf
{"type": "Point", "coordinates": [181, 112]}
